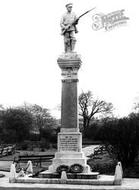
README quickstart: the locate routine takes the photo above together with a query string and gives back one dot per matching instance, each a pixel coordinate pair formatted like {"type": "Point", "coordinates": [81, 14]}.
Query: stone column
{"type": "Point", "coordinates": [69, 139]}
{"type": "Point", "coordinates": [69, 64]}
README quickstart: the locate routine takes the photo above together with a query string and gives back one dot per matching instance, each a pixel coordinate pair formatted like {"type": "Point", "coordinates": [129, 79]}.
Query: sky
{"type": "Point", "coordinates": [30, 44]}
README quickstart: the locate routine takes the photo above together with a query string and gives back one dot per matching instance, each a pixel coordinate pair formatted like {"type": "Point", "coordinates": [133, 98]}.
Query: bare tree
{"type": "Point", "coordinates": [1, 107]}
{"type": "Point", "coordinates": [136, 107]}
{"type": "Point", "coordinates": [90, 106]}
{"type": "Point", "coordinates": [42, 119]}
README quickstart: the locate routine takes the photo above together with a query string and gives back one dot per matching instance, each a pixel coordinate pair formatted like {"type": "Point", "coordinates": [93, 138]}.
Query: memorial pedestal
{"type": "Point", "coordinates": [69, 152]}
{"type": "Point", "coordinates": [69, 139]}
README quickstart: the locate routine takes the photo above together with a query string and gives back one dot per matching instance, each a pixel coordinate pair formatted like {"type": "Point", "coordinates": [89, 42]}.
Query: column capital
{"type": "Point", "coordinates": [69, 61]}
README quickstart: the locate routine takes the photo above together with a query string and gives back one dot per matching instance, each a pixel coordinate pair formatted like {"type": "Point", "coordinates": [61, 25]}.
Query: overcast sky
{"type": "Point", "coordinates": [30, 43]}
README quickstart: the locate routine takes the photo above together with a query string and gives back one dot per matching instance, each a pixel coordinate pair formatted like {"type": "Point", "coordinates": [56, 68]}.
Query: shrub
{"type": "Point", "coordinates": [121, 138]}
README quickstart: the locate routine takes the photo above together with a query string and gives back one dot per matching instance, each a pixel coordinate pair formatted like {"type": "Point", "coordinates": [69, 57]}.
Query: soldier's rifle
{"type": "Point", "coordinates": [75, 22]}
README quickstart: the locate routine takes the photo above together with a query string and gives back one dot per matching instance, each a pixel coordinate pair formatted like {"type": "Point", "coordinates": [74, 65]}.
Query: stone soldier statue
{"type": "Point", "coordinates": [68, 27]}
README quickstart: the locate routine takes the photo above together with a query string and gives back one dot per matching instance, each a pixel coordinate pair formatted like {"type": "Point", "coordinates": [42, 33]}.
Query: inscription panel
{"type": "Point", "coordinates": [69, 74]}
{"type": "Point", "coordinates": [68, 143]}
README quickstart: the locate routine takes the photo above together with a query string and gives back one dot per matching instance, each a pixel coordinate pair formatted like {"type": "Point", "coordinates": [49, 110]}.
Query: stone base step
{"type": "Point", "coordinates": [99, 181]}
{"type": "Point", "coordinates": [92, 175]}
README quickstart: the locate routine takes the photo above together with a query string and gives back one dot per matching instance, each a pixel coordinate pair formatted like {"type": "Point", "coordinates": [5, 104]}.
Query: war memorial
{"type": "Point", "coordinates": [69, 168]}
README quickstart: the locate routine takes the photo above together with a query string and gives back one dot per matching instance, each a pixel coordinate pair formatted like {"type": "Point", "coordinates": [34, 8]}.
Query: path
{"type": "Point", "coordinates": [5, 165]}
{"type": "Point", "coordinates": [89, 149]}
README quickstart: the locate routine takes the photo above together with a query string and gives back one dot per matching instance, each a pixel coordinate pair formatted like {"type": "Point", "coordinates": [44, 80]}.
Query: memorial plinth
{"type": "Point", "coordinates": [69, 139]}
